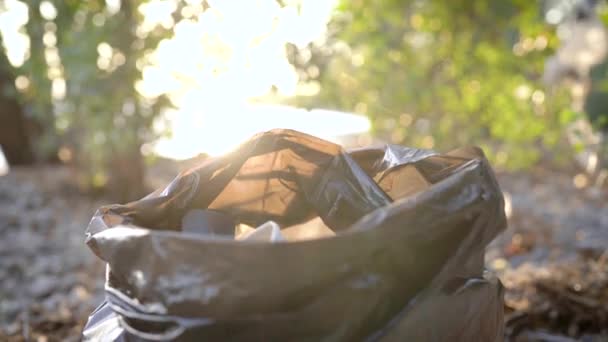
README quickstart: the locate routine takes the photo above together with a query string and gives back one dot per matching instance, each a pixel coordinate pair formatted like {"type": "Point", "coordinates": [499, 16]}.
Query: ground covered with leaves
{"type": "Point", "coordinates": [49, 281]}
{"type": "Point", "coordinates": [552, 259]}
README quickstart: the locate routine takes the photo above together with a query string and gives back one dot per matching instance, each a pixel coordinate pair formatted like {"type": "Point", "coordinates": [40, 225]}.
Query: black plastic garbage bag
{"type": "Point", "coordinates": [406, 263]}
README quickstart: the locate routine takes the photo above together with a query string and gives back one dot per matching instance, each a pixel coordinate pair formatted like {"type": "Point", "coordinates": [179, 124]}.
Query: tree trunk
{"type": "Point", "coordinates": [14, 137]}
{"type": "Point", "coordinates": [126, 176]}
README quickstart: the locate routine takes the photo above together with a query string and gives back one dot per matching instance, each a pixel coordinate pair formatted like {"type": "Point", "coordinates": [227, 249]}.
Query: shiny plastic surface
{"type": "Point", "coordinates": [406, 262]}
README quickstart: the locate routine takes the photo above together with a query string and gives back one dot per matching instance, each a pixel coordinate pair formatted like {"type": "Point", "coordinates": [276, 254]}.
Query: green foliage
{"type": "Point", "coordinates": [83, 65]}
{"type": "Point", "coordinates": [441, 74]}
{"type": "Point", "coordinates": [596, 101]}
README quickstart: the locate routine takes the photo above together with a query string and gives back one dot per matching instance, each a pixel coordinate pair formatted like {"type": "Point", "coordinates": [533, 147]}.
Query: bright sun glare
{"type": "Point", "coordinates": [217, 134]}
{"type": "Point", "coordinates": [217, 61]}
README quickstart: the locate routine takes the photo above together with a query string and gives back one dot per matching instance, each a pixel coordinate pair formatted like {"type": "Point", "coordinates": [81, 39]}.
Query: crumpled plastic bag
{"type": "Point", "coordinates": [405, 262]}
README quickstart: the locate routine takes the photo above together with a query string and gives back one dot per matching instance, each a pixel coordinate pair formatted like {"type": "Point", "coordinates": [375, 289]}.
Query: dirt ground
{"type": "Point", "coordinates": [50, 282]}
{"type": "Point", "coordinates": [552, 259]}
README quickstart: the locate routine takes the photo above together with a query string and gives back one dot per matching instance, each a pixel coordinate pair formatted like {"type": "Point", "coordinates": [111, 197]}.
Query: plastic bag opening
{"type": "Point", "coordinates": [288, 178]}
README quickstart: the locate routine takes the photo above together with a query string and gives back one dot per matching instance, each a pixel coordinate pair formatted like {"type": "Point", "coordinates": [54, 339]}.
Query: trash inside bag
{"type": "Point", "coordinates": [290, 237]}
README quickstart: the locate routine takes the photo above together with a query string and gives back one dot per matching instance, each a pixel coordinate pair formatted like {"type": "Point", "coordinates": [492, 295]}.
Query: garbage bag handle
{"type": "Point", "coordinates": [168, 335]}
{"type": "Point", "coordinates": [171, 334]}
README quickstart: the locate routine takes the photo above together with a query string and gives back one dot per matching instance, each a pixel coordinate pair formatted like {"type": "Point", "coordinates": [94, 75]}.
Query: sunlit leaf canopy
{"type": "Point", "coordinates": [111, 75]}
{"type": "Point", "coordinates": [213, 45]}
